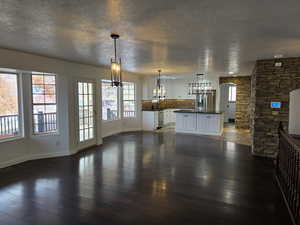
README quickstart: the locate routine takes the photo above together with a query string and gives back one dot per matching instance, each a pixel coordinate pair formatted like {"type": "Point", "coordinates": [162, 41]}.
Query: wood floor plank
{"type": "Point", "coordinates": [145, 178]}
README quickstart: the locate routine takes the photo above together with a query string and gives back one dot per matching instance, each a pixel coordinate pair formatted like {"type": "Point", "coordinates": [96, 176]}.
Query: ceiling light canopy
{"type": "Point", "coordinates": [116, 72]}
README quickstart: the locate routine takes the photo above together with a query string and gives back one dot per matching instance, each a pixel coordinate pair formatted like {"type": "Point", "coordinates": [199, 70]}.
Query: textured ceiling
{"type": "Point", "coordinates": [178, 36]}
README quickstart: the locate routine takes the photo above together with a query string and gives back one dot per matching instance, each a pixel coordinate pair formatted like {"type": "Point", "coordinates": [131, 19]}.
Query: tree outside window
{"type": "Point", "coordinates": [109, 101]}
{"type": "Point", "coordinates": [9, 102]}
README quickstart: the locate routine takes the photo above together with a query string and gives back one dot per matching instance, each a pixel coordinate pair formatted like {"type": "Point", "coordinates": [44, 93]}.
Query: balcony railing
{"type": "Point", "coordinates": [9, 126]}
{"type": "Point", "coordinates": [288, 173]}
{"type": "Point", "coordinates": [111, 114]}
{"type": "Point", "coordinates": [129, 113]}
{"type": "Point", "coordinates": [44, 122]}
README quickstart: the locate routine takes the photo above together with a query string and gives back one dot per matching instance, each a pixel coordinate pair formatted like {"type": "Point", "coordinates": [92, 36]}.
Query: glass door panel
{"type": "Point", "coordinates": [86, 111]}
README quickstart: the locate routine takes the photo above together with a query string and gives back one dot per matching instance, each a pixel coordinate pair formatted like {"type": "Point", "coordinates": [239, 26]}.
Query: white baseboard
{"type": "Point", "coordinates": [112, 133]}
{"type": "Point", "coordinates": [199, 133]}
{"type": "Point", "coordinates": [121, 131]}
{"type": "Point", "coordinates": [32, 157]}
{"type": "Point", "coordinates": [54, 154]}
{"type": "Point", "coordinates": [132, 129]}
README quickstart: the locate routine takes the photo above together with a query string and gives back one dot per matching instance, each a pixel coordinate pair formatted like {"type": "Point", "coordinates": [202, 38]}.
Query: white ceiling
{"type": "Point", "coordinates": [180, 37]}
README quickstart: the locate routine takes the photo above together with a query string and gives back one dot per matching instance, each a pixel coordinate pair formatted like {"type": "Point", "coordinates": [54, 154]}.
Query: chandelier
{"type": "Point", "coordinates": [200, 86]}
{"type": "Point", "coordinates": [159, 92]}
{"type": "Point", "coordinates": [116, 73]}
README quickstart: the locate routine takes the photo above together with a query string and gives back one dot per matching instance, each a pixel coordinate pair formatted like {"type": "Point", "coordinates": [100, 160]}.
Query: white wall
{"type": "Point", "coordinates": [294, 111]}
{"type": "Point", "coordinates": [229, 108]}
{"type": "Point", "coordinates": [64, 143]}
{"type": "Point", "coordinates": [176, 88]}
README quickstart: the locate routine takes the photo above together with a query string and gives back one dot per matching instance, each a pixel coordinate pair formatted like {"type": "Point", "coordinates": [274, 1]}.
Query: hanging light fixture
{"type": "Point", "coordinates": [204, 92]}
{"type": "Point", "coordinates": [159, 92]}
{"type": "Point", "coordinates": [200, 86]}
{"type": "Point", "coordinates": [116, 72]}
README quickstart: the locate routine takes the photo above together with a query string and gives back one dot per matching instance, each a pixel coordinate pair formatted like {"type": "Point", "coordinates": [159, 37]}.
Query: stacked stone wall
{"type": "Point", "coordinates": [271, 83]}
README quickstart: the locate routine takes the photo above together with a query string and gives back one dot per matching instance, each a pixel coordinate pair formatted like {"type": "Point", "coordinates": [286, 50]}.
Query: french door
{"type": "Point", "coordinates": [86, 121]}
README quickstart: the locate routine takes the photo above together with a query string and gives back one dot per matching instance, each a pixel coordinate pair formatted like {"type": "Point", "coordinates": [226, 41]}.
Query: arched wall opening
{"type": "Point", "coordinates": [228, 101]}
{"type": "Point", "coordinates": [243, 92]}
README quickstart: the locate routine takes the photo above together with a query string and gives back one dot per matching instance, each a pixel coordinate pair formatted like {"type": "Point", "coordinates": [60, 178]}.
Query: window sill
{"type": "Point", "coordinates": [46, 134]}
{"type": "Point", "coordinates": [11, 139]}
{"type": "Point", "coordinates": [110, 121]}
{"type": "Point", "coordinates": [130, 118]}
{"type": "Point", "coordinates": [120, 119]}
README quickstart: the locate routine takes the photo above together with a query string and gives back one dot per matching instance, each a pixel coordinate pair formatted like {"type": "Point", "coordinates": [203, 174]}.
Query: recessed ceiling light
{"type": "Point", "coordinates": [231, 72]}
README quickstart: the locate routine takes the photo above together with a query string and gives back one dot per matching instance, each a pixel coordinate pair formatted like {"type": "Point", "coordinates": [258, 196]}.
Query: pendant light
{"type": "Point", "coordinates": [204, 92]}
{"type": "Point", "coordinates": [200, 86]}
{"type": "Point", "coordinates": [159, 92]}
{"type": "Point", "coordinates": [116, 72]}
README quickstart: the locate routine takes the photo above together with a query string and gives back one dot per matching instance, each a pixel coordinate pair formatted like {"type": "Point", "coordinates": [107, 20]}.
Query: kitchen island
{"type": "Point", "coordinates": [199, 122]}
{"type": "Point", "coordinates": [158, 118]}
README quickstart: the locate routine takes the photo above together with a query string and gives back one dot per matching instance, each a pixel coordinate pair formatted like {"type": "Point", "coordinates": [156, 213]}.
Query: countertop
{"type": "Point", "coordinates": [154, 110]}
{"type": "Point", "coordinates": [196, 111]}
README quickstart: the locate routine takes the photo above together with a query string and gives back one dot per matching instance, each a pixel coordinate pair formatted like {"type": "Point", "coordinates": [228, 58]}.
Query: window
{"type": "Point", "coordinates": [44, 103]}
{"type": "Point", "coordinates": [128, 99]}
{"type": "Point", "coordinates": [109, 101]}
{"type": "Point", "coordinates": [86, 111]}
{"type": "Point", "coordinates": [232, 93]}
{"type": "Point", "coordinates": [9, 106]}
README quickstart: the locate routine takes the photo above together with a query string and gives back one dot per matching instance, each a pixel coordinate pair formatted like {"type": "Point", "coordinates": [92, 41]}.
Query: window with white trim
{"type": "Point", "coordinates": [10, 116]}
{"type": "Point", "coordinates": [110, 101]}
{"type": "Point", "coordinates": [44, 108]}
{"type": "Point", "coordinates": [232, 93]}
{"type": "Point", "coordinates": [129, 105]}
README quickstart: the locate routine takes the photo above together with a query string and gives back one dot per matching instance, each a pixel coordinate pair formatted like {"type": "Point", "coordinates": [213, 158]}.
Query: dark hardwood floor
{"type": "Point", "coordinates": [145, 178]}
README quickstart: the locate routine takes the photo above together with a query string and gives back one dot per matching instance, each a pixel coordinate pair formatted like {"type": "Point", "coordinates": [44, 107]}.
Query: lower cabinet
{"type": "Point", "coordinates": [169, 116]}
{"type": "Point", "coordinates": [199, 123]}
{"type": "Point", "coordinates": [154, 119]}
{"type": "Point", "coordinates": [207, 123]}
{"type": "Point", "coordinates": [185, 122]}
{"type": "Point", "coordinates": [150, 120]}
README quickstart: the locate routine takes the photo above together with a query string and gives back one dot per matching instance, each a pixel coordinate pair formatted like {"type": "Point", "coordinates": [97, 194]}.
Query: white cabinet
{"type": "Point", "coordinates": [169, 116]}
{"type": "Point", "coordinates": [166, 113]}
{"type": "Point", "coordinates": [209, 123]}
{"type": "Point", "coordinates": [150, 120]}
{"type": "Point", "coordinates": [189, 121]}
{"type": "Point", "coordinates": [214, 123]}
{"type": "Point", "coordinates": [185, 122]}
{"type": "Point", "coordinates": [200, 123]}
{"type": "Point", "coordinates": [179, 122]}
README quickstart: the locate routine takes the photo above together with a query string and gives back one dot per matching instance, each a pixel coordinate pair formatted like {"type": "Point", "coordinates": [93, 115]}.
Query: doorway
{"type": "Point", "coordinates": [86, 123]}
{"type": "Point", "coordinates": [228, 102]}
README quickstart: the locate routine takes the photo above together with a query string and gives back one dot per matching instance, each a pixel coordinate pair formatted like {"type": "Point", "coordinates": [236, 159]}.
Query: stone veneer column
{"type": "Point", "coordinates": [270, 83]}
{"type": "Point", "coordinates": [243, 88]}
